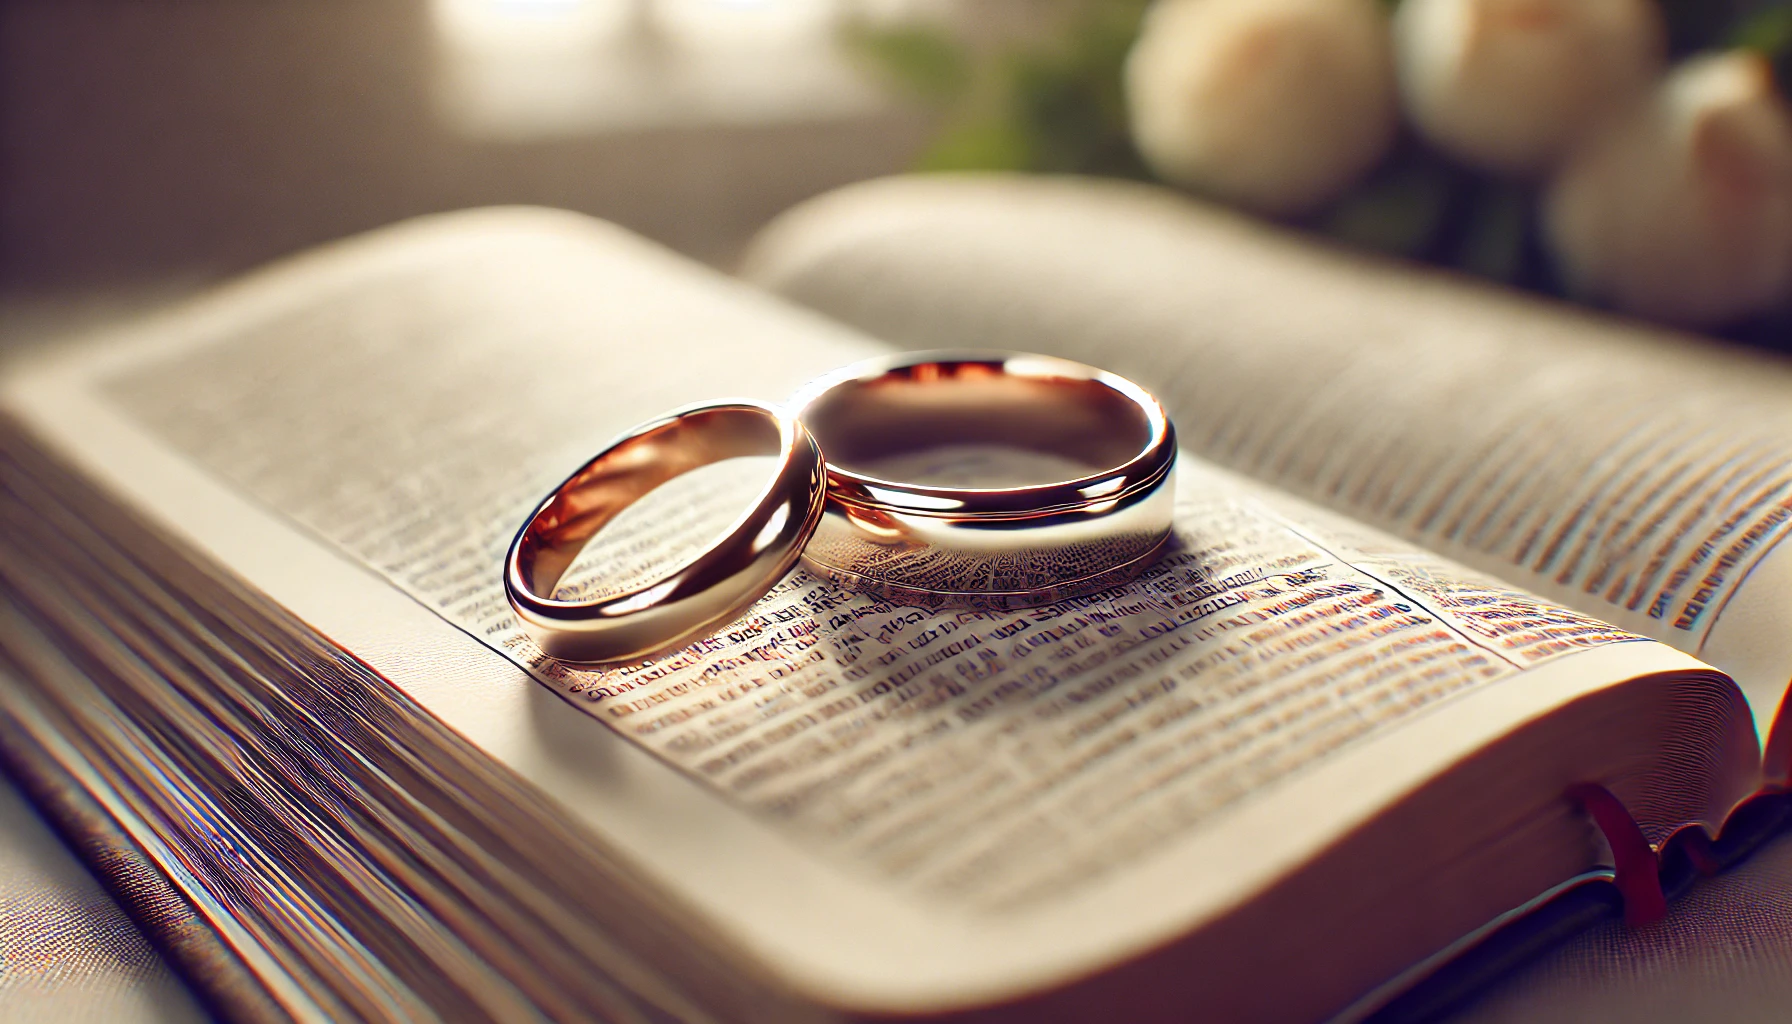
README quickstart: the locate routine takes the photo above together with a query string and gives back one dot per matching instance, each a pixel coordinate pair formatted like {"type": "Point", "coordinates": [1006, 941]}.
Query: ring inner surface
{"type": "Point", "coordinates": [1084, 426]}
{"type": "Point", "coordinates": [600, 491]}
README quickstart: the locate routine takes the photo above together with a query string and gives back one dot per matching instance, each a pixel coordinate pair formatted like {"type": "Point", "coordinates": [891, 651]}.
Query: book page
{"type": "Point", "coordinates": [1246, 656]}
{"type": "Point", "coordinates": [979, 773]}
{"type": "Point", "coordinates": [1639, 476]}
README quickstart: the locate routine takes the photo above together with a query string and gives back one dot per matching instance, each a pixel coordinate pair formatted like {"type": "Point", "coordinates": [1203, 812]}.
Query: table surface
{"type": "Point", "coordinates": [67, 952]}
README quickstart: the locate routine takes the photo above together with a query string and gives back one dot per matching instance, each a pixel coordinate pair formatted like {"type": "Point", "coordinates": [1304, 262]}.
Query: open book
{"type": "Point", "coordinates": [252, 614]}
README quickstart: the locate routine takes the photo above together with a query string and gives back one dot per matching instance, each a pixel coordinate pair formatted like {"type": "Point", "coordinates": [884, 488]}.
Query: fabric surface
{"type": "Point", "coordinates": [67, 951]}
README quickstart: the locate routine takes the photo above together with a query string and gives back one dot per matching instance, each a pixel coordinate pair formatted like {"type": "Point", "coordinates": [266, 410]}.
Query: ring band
{"type": "Point", "coordinates": [697, 596]}
{"type": "Point", "coordinates": [1009, 547]}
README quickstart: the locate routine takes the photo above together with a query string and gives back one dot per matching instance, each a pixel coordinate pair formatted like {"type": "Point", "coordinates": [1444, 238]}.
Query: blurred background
{"type": "Point", "coordinates": [146, 148]}
{"type": "Point", "coordinates": [1634, 155]}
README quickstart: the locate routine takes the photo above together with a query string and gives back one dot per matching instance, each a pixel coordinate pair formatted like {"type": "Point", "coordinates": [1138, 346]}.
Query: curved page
{"type": "Point", "coordinates": [1638, 475]}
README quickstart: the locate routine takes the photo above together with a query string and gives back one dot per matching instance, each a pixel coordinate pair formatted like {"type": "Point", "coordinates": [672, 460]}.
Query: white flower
{"type": "Point", "coordinates": [1275, 105]}
{"type": "Point", "coordinates": [1509, 85]}
{"type": "Point", "coordinates": [1682, 210]}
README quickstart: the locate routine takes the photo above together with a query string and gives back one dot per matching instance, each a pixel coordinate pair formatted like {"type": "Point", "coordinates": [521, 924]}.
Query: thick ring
{"type": "Point", "coordinates": [697, 596]}
{"type": "Point", "coordinates": [988, 547]}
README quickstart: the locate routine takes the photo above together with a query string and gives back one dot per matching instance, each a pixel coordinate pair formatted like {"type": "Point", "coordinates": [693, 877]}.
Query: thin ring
{"type": "Point", "coordinates": [918, 542]}
{"type": "Point", "coordinates": [697, 596]}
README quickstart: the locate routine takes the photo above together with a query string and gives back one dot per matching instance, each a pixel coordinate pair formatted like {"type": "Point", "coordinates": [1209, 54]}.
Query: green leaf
{"type": "Point", "coordinates": [1768, 30]}
{"type": "Point", "coordinates": [988, 145]}
{"type": "Point", "coordinates": [926, 62]}
{"type": "Point", "coordinates": [1057, 105]}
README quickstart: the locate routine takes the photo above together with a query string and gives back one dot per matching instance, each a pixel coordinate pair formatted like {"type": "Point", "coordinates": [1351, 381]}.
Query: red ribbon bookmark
{"type": "Point", "coordinates": [1633, 860]}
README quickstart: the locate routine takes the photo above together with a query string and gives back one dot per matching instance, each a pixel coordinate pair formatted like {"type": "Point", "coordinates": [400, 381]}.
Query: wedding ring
{"type": "Point", "coordinates": [991, 480]}
{"type": "Point", "coordinates": [898, 524]}
{"type": "Point", "coordinates": [697, 596]}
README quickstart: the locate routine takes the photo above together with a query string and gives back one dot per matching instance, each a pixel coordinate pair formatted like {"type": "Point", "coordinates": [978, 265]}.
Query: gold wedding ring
{"type": "Point", "coordinates": [917, 542]}
{"type": "Point", "coordinates": [882, 513]}
{"type": "Point", "coordinates": [697, 596]}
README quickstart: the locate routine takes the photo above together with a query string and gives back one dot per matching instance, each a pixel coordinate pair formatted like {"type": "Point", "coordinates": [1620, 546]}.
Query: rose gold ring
{"type": "Point", "coordinates": [893, 526]}
{"type": "Point", "coordinates": [697, 596]}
